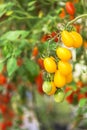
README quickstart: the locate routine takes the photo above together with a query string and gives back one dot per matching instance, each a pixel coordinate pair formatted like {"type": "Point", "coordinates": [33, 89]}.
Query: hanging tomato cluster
{"type": "Point", "coordinates": [58, 67]}
{"type": "Point", "coordinates": [5, 98]}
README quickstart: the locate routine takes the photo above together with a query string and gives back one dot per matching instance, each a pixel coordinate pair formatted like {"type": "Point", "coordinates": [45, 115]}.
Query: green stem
{"type": "Point", "coordinates": [3, 60]}
{"type": "Point", "coordinates": [72, 21]}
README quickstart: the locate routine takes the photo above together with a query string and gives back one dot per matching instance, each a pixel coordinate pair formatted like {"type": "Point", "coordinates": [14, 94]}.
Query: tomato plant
{"type": "Point", "coordinates": [41, 42]}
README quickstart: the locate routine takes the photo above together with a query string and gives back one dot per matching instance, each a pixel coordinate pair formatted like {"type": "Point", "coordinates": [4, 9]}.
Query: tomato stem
{"type": "Point", "coordinates": [3, 60]}
{"type": "Point", "coordinates": [72, 21]}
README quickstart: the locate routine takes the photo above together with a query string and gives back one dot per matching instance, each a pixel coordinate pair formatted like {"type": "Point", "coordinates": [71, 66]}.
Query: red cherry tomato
{"type": "Point", "coordinates": [54, 34]}
{"type": "Point", "coordinates": [9, 123]}
{"type": "Point", "coordinates": [2, 79]}
{"type": "Point", "coordinates": [70, 8]}
{"type": "Point", "coordinates": [3, 108]}
{"type": "Point", "coordinates": [3, 126]}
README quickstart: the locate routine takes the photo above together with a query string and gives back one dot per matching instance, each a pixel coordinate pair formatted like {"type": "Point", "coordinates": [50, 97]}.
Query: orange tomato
{"type": "Point", "coordinates": [59, 79]}
{"type": "Point", "coordinates": [69, 78]}
{"type": "Point", "coordinates": [71, 17]}
{"type": "Point", "coordinates": [79, 84]}
{"type": "Point", "coordinates": [35, 51]}
{"type": "Point", "coordinates": [40, 62]}
{"type": "Point", "coordinates": [50, 65]}
{"type": "Point", "coordinates": [67, 39]}
{"type": "Point", "coordinates": [64, 67]}
{"type": "Point", "coordinates": [62, 14]}
{"type": "Point", "coordinates": [77, 38]}
{"type": "Point", "coordinates": [78, 27]}
{"type": "Point", "coordinates": [85, 44]}
{"type": "Point", "coordinates": [63, 53]}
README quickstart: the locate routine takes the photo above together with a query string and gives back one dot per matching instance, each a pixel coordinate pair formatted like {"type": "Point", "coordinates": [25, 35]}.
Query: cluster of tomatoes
{"type": "Point", "coordinates": [6, 111]}
{"type": "Point", "coordinates": [77, 92]}
{"type": "Point", "coordinates": [69, 9]}
{"type": "Point", "coordinates": [58, 68]}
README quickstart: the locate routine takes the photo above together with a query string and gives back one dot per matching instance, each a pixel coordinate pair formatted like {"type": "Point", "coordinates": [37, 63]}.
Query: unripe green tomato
{"type": "Point", "coordinates": [47, 87]}
{"type": "Point", "coordinates": [59, 95]}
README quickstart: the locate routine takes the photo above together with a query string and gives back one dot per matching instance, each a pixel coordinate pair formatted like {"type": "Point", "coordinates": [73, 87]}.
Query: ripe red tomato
{"type": "Point", "coordinates": [81, 95]}
{"type": "Point", "coordinates": [70, 8]}
{"type": "Point", "coordinates": [2, 79]}
{"type": "Point", "coordinates": [45, 38]}
{"type": "Point", "coordinates": [9, 123]}
{"type": "Point", "coordinates": [3, 108]}
{"type": "Point", "coordinates": [54, 34]}
{"type": "Point", "coordinates": [70, 98]}
{"type": "Point", "coordinates": [3, 126]}
{"type": "Point", "coordinates": [39, 82]}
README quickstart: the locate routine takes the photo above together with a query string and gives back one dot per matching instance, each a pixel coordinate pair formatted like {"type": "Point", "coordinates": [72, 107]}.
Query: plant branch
{"type": "Point", "coordinates": [3, 60]}
{"type": "Point", "coordinates": [72, 21]}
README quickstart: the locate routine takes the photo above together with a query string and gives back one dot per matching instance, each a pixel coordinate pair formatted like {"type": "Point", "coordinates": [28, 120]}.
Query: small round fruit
{"type": "Point", "coordinates": [70, 8]}
{"type": "Point", "coordinates": [64, 67]}
{"type": "Point", "coordinates": [50, 65]}
{"type": "Point", "coordinates": [59, 79]}
{"type": "Point", "coordinates": [67, 39]}
{"type": "Point", "coordinates": [63, 53]}
{"type": "Point", "coordinates": [53, 90]}
{"type": "Point", "coordinates": [47, 87]}
{"type": "Point", "coordinates": [69, 78]}
{"type": "Point", "coordinates": [59, 95]}
{"type": "Point", "coordinates": [77, 39]}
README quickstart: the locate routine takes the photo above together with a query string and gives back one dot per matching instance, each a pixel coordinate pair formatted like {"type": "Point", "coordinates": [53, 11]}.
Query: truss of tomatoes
{"type": "Point", "coordinates": [5, 109]}
{"type": "Point", "coordinates": [57, 65]}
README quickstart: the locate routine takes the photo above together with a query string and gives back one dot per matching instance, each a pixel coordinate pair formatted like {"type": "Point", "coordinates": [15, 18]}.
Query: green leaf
{"type": "Point", "coordinates": [31, 67]}
{"type": "Point", "coordinates": [14, 35]}
{"type": "Point", "coordinates": [31, 3]}
{"type": "Point", "coordinates": [82, 102]}
{"type": "Point", "coordinates": [1, 67]}
{"type": "Point", "coordinates": [5, 7]}
{"type": "Point", "coordinates": [68, 93]}
{"type": "Point", "coordinates": [11, 66]}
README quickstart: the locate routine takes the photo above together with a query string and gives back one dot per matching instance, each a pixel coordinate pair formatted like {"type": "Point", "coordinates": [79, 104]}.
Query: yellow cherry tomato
{"type": "Point", "coordinates": [53, 90]}
{"type": "Point", "coordinates": [64, 67]}
{"type": "Point", "coordinates": [63, 53]}
{"type": "Point", "coordinates": [69, 78]}
{"type": "Point", "coordinates": [77, 39]}
{"type": "Point", "coordinates": [50, 65]}
{"type": "Point", "coordinates": [59, 79]}
{"type": "Point", "coordinates": [67, 39]}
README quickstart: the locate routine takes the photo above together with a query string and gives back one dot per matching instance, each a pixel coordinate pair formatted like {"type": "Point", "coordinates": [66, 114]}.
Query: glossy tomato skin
{"type": "Point", "coordinates": [70, 8]}
{"type": "Point", "coordinates": [63, 54]}
{"type": "Point", "coordinates": [50, 65]}
{"type": "Point", "coordinates": [77, 38]}
{"type": "Point", "coordinates": [67, 39]}
{"type": "Point", "coordinates": [59, 79]}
